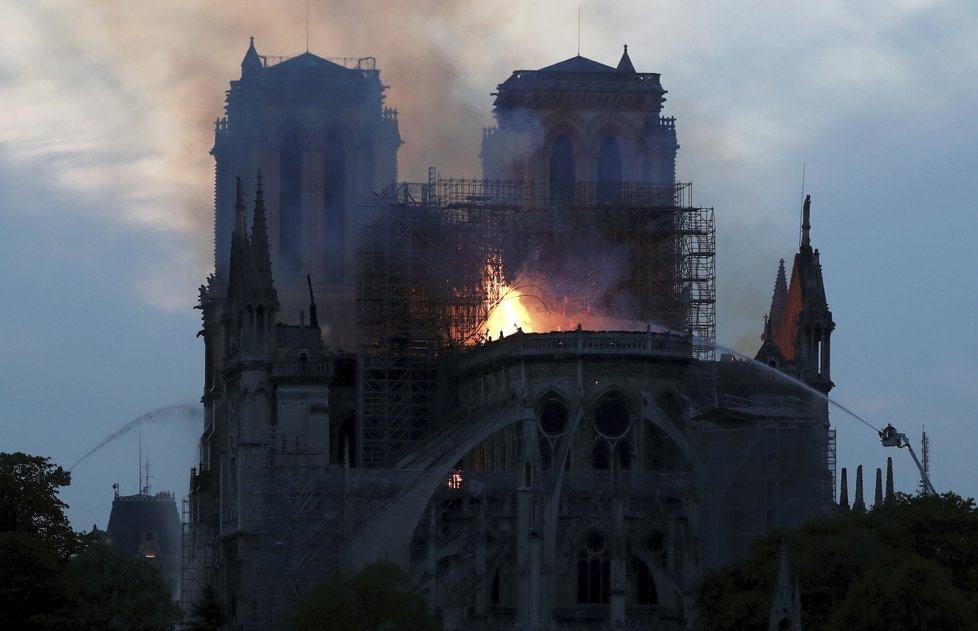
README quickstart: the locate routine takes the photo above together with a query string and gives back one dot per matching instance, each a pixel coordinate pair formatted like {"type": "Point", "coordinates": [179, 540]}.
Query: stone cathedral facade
{"type": "Point", "coordinates": [579, 475]}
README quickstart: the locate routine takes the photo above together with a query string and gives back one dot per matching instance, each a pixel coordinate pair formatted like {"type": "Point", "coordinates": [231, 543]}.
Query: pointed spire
{"type": "Point", "coordinates": [251, 64]}
{"type": "Point", "coordinates": [889, 497]}
{"type": "Point", "coordinates": [239, 208]}
{"type": "Point", "coordinates": [313, 318]}
{"type": "Point", "coordinates": [878, 496]}
{"type": "Point", "coordinates": [782, 606]}
{"type": "Point", "coordinates": [806, 224]}
{"type": "Point", "coordinates": [796, 610]}
{"type": "Point", "coordinates": [261, 260]}
{"type": "Point", "coordinates": [859, 506]}
{"type": "Point", "coordinates": [844, 491]}
{"type": "Point", "coordinates": [778, 300]}
{"type": "Point", "coordinates": [237, 261]}
{"type": "Point", "coordinates": [625, 65]}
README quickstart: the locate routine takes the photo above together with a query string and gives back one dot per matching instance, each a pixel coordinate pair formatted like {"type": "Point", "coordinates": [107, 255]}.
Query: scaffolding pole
{"type": "Point", "coordinates": [435, 258]}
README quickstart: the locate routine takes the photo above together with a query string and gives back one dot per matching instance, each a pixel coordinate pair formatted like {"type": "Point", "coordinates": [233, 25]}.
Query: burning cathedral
{"type": "Point", "coordinates": [508, 386]}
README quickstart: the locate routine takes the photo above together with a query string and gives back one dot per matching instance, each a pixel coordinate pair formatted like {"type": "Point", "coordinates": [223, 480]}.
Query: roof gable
{"type": "Point", "coordinates": [579, 64]}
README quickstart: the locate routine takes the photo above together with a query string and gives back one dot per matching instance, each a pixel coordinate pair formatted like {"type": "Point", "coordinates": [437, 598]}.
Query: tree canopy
{"type": "Point", "coordinates": [377, 598]}
{"type": "Point", "coordinates": [910, 564]}
{"type": "Point", "coordinates": [52, 577]}
{"type": "Point", "coordinates": [29, 501]}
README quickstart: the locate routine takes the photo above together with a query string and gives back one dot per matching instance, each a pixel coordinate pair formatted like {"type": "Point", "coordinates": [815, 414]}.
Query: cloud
{"type": "Point", "coordinates": [114, 102]}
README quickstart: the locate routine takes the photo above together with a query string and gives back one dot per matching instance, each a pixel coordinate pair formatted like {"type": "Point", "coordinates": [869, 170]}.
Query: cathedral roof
{"type": "Point", "coordinates": [307, 63]}
{"type": "Point", "coordinates": [578, 64]}
{"type": "Point", "coordinates": [583, 76]}
{"type": "Point", "coordinates": [251, 60]}
{"type": "Point", "coordinates": [625, 63]}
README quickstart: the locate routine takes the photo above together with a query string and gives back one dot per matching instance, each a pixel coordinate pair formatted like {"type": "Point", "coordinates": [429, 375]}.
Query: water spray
{"type": "Point", "coordinates": [799, 383]}
{"type": "Point", "coordinates": [190, 411]}
{"type": "Point", "coordinates": [889, 436]}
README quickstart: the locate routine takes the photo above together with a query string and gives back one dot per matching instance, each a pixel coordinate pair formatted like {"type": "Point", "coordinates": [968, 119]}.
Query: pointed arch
{"type": "Point", "coordinates": [610, 173]}
{"type": "Point", "coordinates": [290, 139]}
{"type": "Point", "coordinates": [643, 587]}
{"type": "Point", "coordinates": [336, 175]}
{"type": "Point", "coordinates": [593, 568]}
{"type": "Point", "coordinates": [562, 174]}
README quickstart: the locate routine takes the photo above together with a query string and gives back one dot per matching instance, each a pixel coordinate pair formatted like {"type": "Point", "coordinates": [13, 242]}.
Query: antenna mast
{"type": "Point", "coordinates": [313, 319]}
{"type": "Point", "coordinates": [578, 29]}
{"type": "Point", "coordinates": [924, 459]}
{"type": "Point", "coordinates": [803, 165]}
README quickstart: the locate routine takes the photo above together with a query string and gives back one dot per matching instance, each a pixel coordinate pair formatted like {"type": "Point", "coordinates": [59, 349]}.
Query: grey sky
{"type": "Point", "coordinates": [106, 200]}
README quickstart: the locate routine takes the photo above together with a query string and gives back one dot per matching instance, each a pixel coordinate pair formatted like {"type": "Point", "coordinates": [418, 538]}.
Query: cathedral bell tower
{"type": "Point", "coordinates": [580, 121]}
{"type": "Point", "coordinates": [798, 329]}
{"type": "Point", "coordinates": [320, 133]}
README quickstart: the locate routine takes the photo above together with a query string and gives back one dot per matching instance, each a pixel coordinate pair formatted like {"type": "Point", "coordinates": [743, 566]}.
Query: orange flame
{"type": "Point", "coordinates": [528, 306]}
{"type": "Point", "coordinates": [509, 314]}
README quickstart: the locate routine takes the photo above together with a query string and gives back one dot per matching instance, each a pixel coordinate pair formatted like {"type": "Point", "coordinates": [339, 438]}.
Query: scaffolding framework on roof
{"type": "Point", "coordinates": [434, 259]}
{"type": "Point", "coordinates": [291, 523]}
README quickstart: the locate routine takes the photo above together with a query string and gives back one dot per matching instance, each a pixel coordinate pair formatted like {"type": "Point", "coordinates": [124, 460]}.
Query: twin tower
{"type": "Point", "coordinates": [323, 138]}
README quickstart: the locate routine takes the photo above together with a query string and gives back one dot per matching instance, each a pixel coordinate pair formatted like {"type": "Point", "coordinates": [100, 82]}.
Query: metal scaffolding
{"type": "Point", "coordinates": [197, 556]}
{"type": "Point", "coordinates": [291, 524]}
{"type": "Point", "coordinates": [435, 258]}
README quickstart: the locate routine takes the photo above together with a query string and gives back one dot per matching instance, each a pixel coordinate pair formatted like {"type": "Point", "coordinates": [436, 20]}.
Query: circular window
{"type": "Point", "coordinates": [553, 417]}
{"type": "Point", "coordinates": [611, 417]}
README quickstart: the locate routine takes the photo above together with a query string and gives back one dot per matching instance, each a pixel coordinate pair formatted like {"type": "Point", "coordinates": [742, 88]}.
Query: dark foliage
{"type": "Point", "coordinates": [54, 578]}
{"type": "Point", "coordinates": [911, 564]}
{"type": "Point", "coordinates": [377, 598]}
{"type": "Point", "coordinates": [206, 613]}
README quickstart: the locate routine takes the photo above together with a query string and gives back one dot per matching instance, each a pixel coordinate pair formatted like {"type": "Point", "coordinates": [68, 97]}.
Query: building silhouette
{"type": "Point", "coordinates": [509, 385]}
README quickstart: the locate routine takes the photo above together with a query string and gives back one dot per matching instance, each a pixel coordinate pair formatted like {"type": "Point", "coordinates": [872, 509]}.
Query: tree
{"type": "Point", "coordinates": [206, 613]}
{"type": "Point", "coordinates": [377, 598]}
{"type": "Point", "coordinates": [29, 501]}
{"type": "Point", "coordinates": [36, 542]}
{"type": "Point", "coordinates": [33, 591]}
{"type": "Point", "coordinates": [116, 590]}
{"type": "Point", "coordinates": [52, 577]}
{"type": "Point", "coordinates": [915, 594]}
{"type": "Point", "coordinates": [903, 563]}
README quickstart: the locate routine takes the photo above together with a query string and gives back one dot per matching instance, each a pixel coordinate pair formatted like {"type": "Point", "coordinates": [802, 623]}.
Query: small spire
{"type": "Point", "coordinates": [313, 318]}
{"type": "Point", "coordinates": [261, 260]}
{"type": "Point", "coordinates": [783, 605]}
{"type": "Point", "coordinates": [844, 491]}
{"type": "Point", "coordinates": [859, 506]}
{"type": "Point", "coordinates": [778, 301]}
{"type": "Point", "coordinates": [251, 64]}
{"type": "Point", "coordinates": [878, 497]}
{"type": "Point", "coordinates": [889, 497]}
{"type": "Point", "coordinates": [625, 65]}
{"type": "Point", "coordinates": [806, 224]}
{"type": "Point", "coordinates": [239, 208]}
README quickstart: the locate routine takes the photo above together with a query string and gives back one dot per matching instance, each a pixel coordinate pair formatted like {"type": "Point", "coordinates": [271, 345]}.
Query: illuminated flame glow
{"type": "Point", "coordinates": [528, 306]}
{"type": "Point", "coordinates": [455, 480]}
{"type": "Point", "coordinates": [509, 314]}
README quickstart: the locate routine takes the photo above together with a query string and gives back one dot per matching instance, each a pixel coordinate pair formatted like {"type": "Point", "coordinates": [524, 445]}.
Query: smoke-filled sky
{"type": "Point", "coordinates": [106, 119]}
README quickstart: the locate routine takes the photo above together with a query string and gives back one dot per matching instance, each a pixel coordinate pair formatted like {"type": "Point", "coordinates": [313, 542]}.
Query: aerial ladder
{"type": "Point", "coordinates": [892, 438]}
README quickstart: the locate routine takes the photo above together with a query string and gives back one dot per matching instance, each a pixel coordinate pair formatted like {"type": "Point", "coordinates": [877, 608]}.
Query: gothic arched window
{"type": "Point", "coordinates": [562, 171]}
{"type": "Point", "coordinates": [334, 208]}
{"type": "Point", "coordinates": [601, 455]}
{"type": "Point", "coordinates": [623, 454]}
{"type": "Point", "coordinates": [611, 416]}
{"type": "Point", "coordinates": [609, 171]}
{"type": "Point", "coordinates": [593, 570]}
{"type": "Point", "coordinates": [645, 592]}
{"type": "Point", "coordinates": [290, 202]}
